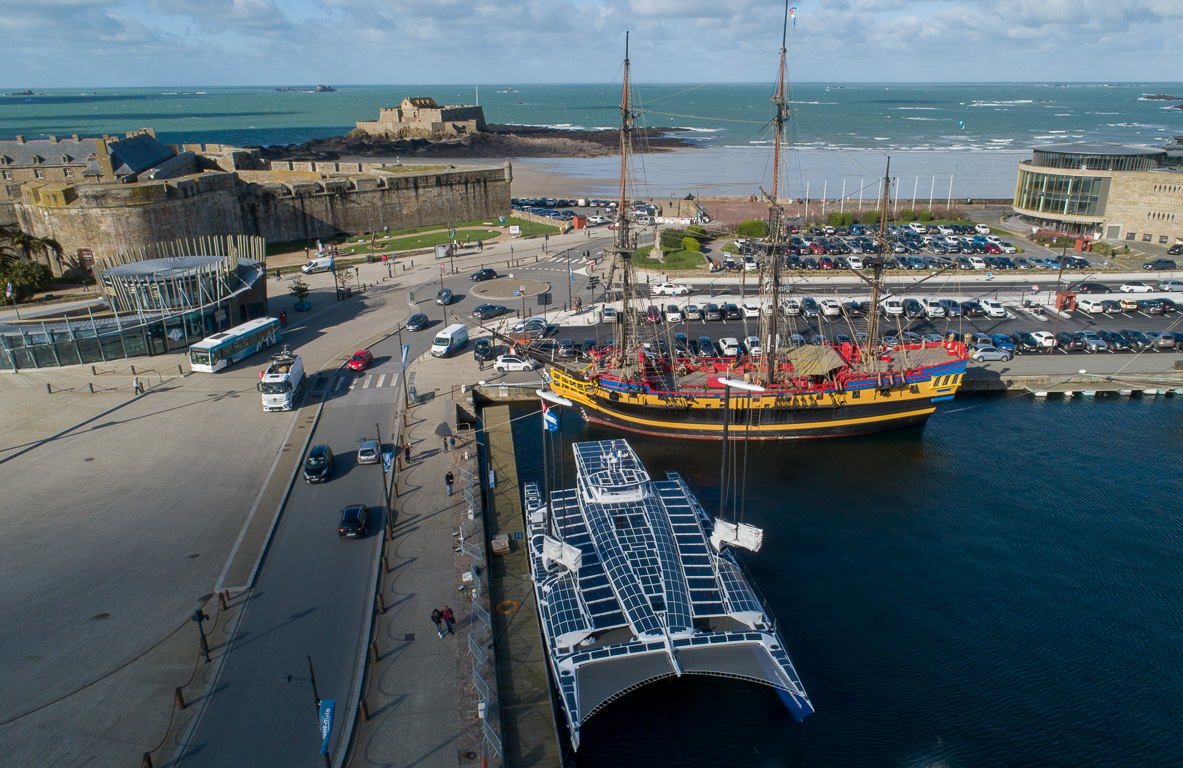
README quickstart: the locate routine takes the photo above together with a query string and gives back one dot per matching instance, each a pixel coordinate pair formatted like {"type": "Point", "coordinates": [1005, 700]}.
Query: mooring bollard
{"type": "Point", "coordinates": [180, 370]}
{"type": "Point", "coordinates": [91, 385]}
{"type": "Point", "coordinates": [381, 604]}
{"type": "Point", "coordinates": [133, 370]}
{"type": "Point", "coordinates": [48, 388]}
{"type": "Point", "coordinates": [385, 564]}
{"type": "Point", "coordinates": [365, 710]}
{"type": "Point", "coordinates": [179, 698]}
{"type": "Point", "coordinates": [374, 649]}
{"type": "Point", "coordinates": [146, 760]}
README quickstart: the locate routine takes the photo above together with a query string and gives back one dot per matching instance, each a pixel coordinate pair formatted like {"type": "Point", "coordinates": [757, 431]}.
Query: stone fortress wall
{"type": "Point", "coordinates": [421, 116]}
{"type": "Point", "coordinates": [239, 194]}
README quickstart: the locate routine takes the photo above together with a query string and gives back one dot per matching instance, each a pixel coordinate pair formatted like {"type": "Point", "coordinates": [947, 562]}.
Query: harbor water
{"type": "Point", "coordinates": [1001, 587]}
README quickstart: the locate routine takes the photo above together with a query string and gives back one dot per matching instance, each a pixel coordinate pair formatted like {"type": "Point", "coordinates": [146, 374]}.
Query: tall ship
{"type": "Point", "coordinates": [779, 387]}
{"type": "Point", "coordinates": [636, 584]}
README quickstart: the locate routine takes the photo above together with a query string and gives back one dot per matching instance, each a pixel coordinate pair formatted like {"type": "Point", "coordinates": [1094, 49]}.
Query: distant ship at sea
{"type": "Point", "coordinates": [317, 89]}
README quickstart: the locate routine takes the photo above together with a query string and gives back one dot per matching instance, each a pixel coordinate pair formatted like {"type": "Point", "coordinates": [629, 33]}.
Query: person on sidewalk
{"type": "Point", "coordinates": [449, 479]}
{"type": "Point", "coordinates": [137, 386]}
{"type": "Point", "coordinates": [451, 442]}
{"type": "Point", "coordinates": [449, 617]}
{"type": "Point", "coordinates": [436, 618]}
{"type": "Point", "coordinates": [406, 454]}
{"type": "Point", "coordinates": [445, 444]}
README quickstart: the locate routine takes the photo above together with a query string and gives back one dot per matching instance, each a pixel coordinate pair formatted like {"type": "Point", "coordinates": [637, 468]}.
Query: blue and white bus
{"type": "Point", "coordinates": [222, 349]}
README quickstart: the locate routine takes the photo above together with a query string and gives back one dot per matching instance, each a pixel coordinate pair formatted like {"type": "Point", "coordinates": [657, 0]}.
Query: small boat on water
{"type": "Point", "coordinates": [635, 583]}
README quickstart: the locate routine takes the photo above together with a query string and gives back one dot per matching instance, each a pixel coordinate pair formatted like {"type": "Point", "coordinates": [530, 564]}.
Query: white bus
{"type": "Point", "coordinates": [222, 349]}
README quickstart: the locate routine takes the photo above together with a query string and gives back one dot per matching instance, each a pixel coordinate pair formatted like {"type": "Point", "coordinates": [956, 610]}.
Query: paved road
{"type": "Point", "coordinates": [311, 597]}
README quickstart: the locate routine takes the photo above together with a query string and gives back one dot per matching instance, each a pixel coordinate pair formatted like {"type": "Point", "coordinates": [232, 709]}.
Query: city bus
{"type": "Point", "coordinates": [222, 349]}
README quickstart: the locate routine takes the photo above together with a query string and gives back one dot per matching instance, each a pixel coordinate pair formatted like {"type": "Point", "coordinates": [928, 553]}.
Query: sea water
{"type": "Point", "coordinates": [1001, 587]}
{"type": "Point", "coordinates": [946, 140]}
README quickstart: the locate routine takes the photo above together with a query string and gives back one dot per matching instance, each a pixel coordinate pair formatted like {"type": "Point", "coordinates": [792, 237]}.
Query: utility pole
{"type": "Point", "coordinates": [570, 279]}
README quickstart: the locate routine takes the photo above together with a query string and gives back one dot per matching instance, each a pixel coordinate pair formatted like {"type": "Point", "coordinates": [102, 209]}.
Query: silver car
{"type": "Point", "coordinates": [368, 451]}
{"type": "Point", "coordinates": [1093, 342]}
{"type": "Point", "coordinates": [984, 352]}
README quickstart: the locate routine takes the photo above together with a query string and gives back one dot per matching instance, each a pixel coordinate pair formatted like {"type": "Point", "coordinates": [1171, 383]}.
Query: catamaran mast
{"type": "Point", "coordinates": [770, 285]}
{"type": "Point", "coordinates": [628, 350]}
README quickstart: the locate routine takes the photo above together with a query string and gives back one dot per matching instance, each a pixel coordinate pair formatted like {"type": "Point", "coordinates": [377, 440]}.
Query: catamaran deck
{"type": "Point", "coordinates": [641, 592]}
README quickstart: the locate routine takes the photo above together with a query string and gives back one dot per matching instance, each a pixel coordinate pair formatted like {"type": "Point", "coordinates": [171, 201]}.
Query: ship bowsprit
{"type": "Point", "coordinates": [631, 589]}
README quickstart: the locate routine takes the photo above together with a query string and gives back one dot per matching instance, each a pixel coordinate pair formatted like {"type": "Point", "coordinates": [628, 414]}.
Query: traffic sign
{"type": "Point", "coordinates": [989, 275]}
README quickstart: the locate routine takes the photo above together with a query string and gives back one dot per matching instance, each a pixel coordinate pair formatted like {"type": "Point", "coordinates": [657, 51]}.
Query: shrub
{"type": "Point", "coordinates": [696, 230]}
{"type": "Point", "coordinates": [924, 215]}
{"type": "Point", "coordinates": [27, 277]}
{"type": "Point", "coordinates": [840, 219]}
{"type": "Point", "coordinates": [671, 239]}
{"type": "Point", "coordinates": [907, 215]}
{"type": "Point", "coordinates": [690, 244]}
{"type": "Point", "coordinates": [299, 289]}
{"type": "Point", "coordinates": [871, 217]}
{"type": "Point", "coordinates": [752, 228]}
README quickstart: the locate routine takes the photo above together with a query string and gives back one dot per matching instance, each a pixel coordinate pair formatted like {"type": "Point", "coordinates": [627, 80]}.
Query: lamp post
{"type": "Point", "coordinates": [550, 397]}
{"type": "Point", "coordinates": [727, 385]}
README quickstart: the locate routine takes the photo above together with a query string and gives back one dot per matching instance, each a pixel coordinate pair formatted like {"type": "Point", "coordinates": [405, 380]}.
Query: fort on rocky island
{"type": "Point", "coordinates": [421, 117]}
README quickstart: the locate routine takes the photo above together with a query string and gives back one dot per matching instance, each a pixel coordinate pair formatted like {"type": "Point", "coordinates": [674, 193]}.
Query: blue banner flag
{"type": "Point", "coordinates": [549, 421]}
{"type": "Point", "coordinates": [569, 272]}
{"type": "Point", "coordinates": [328, 707]}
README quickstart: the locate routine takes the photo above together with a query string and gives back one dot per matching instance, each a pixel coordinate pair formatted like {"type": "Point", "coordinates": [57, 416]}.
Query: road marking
{"type": "Point", "coordinates": [341, 383]}
{"type": "Point", "coordinates": [366, 384]}
{"type": "Point", "coordinates": [381, 379]}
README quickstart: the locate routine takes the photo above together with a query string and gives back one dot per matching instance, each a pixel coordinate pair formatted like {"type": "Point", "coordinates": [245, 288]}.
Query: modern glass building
{"type": "Point", "coordinates": [1104, 190]}
{"type": "Point", "coordinates": [157, 300]}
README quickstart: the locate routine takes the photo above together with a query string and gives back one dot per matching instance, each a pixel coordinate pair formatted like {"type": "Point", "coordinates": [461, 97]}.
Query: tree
{"type": "Point", "coordinates": [924, 215]}
{"type": "Point", "coordinates": [27, 277]}
{"type": "Point", "coordinates": [871, 217]}
{"type": "Point", "coordinates": [690, 244]}
{"type": "Point", "coordinates": [752, 228]}
{"type": "Point", "coordinates": [299, 289]}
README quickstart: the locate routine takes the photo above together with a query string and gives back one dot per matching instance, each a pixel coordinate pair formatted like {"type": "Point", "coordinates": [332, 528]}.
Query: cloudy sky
{"type": "Point", "coordinates": [97, 43]}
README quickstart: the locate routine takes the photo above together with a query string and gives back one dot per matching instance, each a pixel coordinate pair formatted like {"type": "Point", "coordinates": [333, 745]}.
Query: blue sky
{"type": "Point", "coordinates": [124, 43]}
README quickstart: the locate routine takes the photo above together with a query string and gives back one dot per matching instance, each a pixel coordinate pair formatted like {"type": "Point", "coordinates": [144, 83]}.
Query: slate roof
{"type": "Point", "coordinates": [129, 155]}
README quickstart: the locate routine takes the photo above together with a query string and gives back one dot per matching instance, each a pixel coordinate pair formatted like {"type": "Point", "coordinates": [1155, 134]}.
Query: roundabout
{"type": "Point", "coordinates": [509, 288]}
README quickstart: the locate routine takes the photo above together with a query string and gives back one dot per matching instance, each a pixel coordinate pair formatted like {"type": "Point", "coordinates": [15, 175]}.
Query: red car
{"type": "Point", "coordinates": [992, 248]}
{"type": "Point", "coordinates": [361, 360]}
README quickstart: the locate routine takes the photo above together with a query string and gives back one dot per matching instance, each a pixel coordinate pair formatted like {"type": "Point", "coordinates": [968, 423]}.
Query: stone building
{"type": "Point", "coordinates": [70, 161]}
{"type": "Point", "coordinates": [1110, 191]}
{"type": "Point", "coordinates": [421, 116]}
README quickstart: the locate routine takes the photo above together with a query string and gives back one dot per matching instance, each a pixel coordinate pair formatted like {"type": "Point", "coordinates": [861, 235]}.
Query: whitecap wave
{"type": "Point", "coordinates": [999, 103]}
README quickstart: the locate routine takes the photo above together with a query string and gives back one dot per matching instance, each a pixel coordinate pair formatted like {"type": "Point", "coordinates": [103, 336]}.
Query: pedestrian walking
{"type": "Point", "coordinates": [480, 245]}
{"type": "Point", "coordinates": [445, 444]}
{"type": "Point", "coordinates": [406, 454]}
{"type": "Point", "coordinates": [277, 275]}
{"type": "Point", "coordinates": [449, 479]}
{"type": "Point", "coordinates": [436, 617]}
{"type": "Point", "coordinates": [449, 618]}
{"type": "Point", "coordinates": [137, 386]}
{"type": "Point", "coordinates": [451, 442]}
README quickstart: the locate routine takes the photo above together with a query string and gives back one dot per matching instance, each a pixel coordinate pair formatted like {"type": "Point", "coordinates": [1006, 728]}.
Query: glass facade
{"type": "Point", "coordinates": [1059, 195]}
{"type": "Point", "coordinates": [1086, 161]}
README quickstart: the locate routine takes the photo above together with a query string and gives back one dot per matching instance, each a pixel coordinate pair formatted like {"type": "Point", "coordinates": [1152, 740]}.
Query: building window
{"type": "Point", "coordinates": [7, 175]}
{"type": "Point", "coordinates": [1162, 239]}
{"type": "Point", "coordinates": [1146, 238]}
{"type": "Point", "coordinates": [38, 173]}
{"type": "Point", "coordinates": [1130, 235]}
{"type": "Point", "coordinates": [68, 173]}
{"type": "Point", "coordinates": [1059, 195]}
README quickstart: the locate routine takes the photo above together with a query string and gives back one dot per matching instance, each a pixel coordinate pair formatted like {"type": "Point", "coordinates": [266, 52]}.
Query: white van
{"type": "Point", "coordinates": [993, 308]}
{"type": "Point", "coordinates": [978, 262]}
{"type": "Point", "coordinates": [451, 339]}
{"type": "Point", "coordinates": [318, 264]}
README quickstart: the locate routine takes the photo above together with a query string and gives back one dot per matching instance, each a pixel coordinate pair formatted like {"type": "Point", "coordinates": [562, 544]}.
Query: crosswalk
{"type": "Point", "coordinates": [580, 261]}
{"type": "Point", "coordinates": [369, 381]}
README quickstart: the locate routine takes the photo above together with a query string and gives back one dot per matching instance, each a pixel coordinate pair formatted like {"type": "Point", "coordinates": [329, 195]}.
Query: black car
{"type": "Point", "coordinates": [1070, 342]}
{"type": "Point", "coordinates": [1175, 250]}
{"type": "Point", "coordinates": [809, 307]}
{"type": "Point", "coordinates": [566, 348]}
{"type": "Point", "coordinates": [913, 308]}
{"type": "Point", "coordinates": [486, 311]}
{"type": "Point", "coordinates": [1150, 306]}
{"type": "Point", "coordinates": [482, 274]}
{"type": "Point", "coordinates": [731, 312]}
{"type": "Point", "coordinates": [951, 306]}
{"type": "Point", "coordinates": [353, 521]}
{"type": "Point", "coordinates": [1115, 340]}
{"type": "Point", "coordinates": [483, 351]}
{"type": "Point", "coordinates": [712, 312]}
{"type": "Point", "coordinates": [681, 345]}
{"type": "Point", "coordinates": [1137, 339]}
{"type": "Point", "coordinates": [1091, 288]}
{"type": "Point", "coordinates": [1024, 342]}
{"type": "Point", "coordinates": [1159, 264]}
{"type": "Point", "coordinates": [1168, 306]}
{"type": "Point", "coordinates": [417, 322]}
{"type": "Point", "coordinates": [444, 297]}
{"type": "Point", "coordinates": [972, 309]}
{"type": "Point", "coordinates": [852, 309]}
{"type": "Point", "coordinates": [706, 347]}
{"type": "Point", "coordinates": [318, 467]}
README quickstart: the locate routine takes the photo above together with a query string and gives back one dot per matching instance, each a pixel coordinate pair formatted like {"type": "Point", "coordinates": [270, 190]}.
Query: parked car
{"type": "Point", "coordinates": [729, 346]}
{"type": "Point", "coordinates": [368, 451]}
{"type": "Point", "coordinates": [706, 347]}
{"type": "Point", "coordinates": [1003, 342]}
{"type": "Point", "coordinates": [483, 274]}
{"type": "Point", "coordinates": [830, 308]}
{"type": "Point", "coordinates": [417, 322]}
{"type": "Point", "coordinates": [318, 467]}
{"type": "Point", "coordinates": [731, 312]}
{"type": "Point", "coordinates": [1150, 306]}
{"type": "Point", "coordinates": [507, 363]}
{"type": "Point", "coordinates": [992, 308]}
{"type": "Point", "coordinates": [972, 309]}
{"type": "Point", "coordinates": [609, 315]}
{"type": "Point", "coordinates": [1137, 339]}
{"type": "Point", "coordinates": [1024, 342]}
{"type": "Point", "coordinates": [361, 360]}
{"type": "Point", "coordinates": [354, 520]}
{"type": "Point", "coordinates": [792, 307]}
{"type": "Point", "coordinates": [712, 312]}
{"type": "Point", "coordinates": [1070, 342]}
{"type": "Point", "coordinates": [1170, 285]}
{"type": "Point", "coordinates": [1115, 341]}
{"type": "Point", "coordinates": [750, 308]}
{"type": "Point", "coordinates": [692, 312]}
{"type": "Point", "coordinates": [1175, 250]}
{"type": "Point", "coordinates": [751, 345]}
{"type": "Point", "coordinates": [1045, 339]}
{"type": "Point", "coordinates": [483, 350]}
{"type": "Point", "coordinates": [809, 307]}
{"type": "Point", "coordinates": [1093, 341]}
{"type": "Point", "coordinates": [1158, 264]}
{"type": "Point", "coordinates": [673, 314]}
{"type": "Point", "coordinates": [986, 352]}
{"type": "Point", "coordinates": [951, 306]}
{"type": "Point", "coordinates": [1110, 307]}
{"type": "Point", "coordinates": [566, 348]}
{"type": "Point", "coordinates": [1089, 287]}
{"type": "Point", "coordinates": [1161, 339]}
{"type": "Point", "coordinates": [652, 314]}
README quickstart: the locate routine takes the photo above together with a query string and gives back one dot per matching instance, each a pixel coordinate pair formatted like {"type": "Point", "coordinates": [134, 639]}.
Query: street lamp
{"type": "Point", "coordinates": [727, 385]}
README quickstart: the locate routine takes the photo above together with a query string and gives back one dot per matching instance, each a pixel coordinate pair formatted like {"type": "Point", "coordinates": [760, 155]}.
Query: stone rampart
{"type": "Point", "coordinates": [105, 219]}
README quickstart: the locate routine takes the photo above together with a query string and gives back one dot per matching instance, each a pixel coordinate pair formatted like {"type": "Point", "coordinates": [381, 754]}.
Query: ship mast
{"type": "Point", "coordinates": [770, 284]}
{"type": "Point", "coordinates": [628, 352]}
{"type": "Point", "coordinates": [877, 264]}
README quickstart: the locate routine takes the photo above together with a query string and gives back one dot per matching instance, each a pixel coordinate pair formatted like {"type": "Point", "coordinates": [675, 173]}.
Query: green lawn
{"type": "Point", "coordinates": [674, 260]}
{"type": "Point", "coordinates": [533, 228]}
{"type": "Point", "coordinates": [428, 240]}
